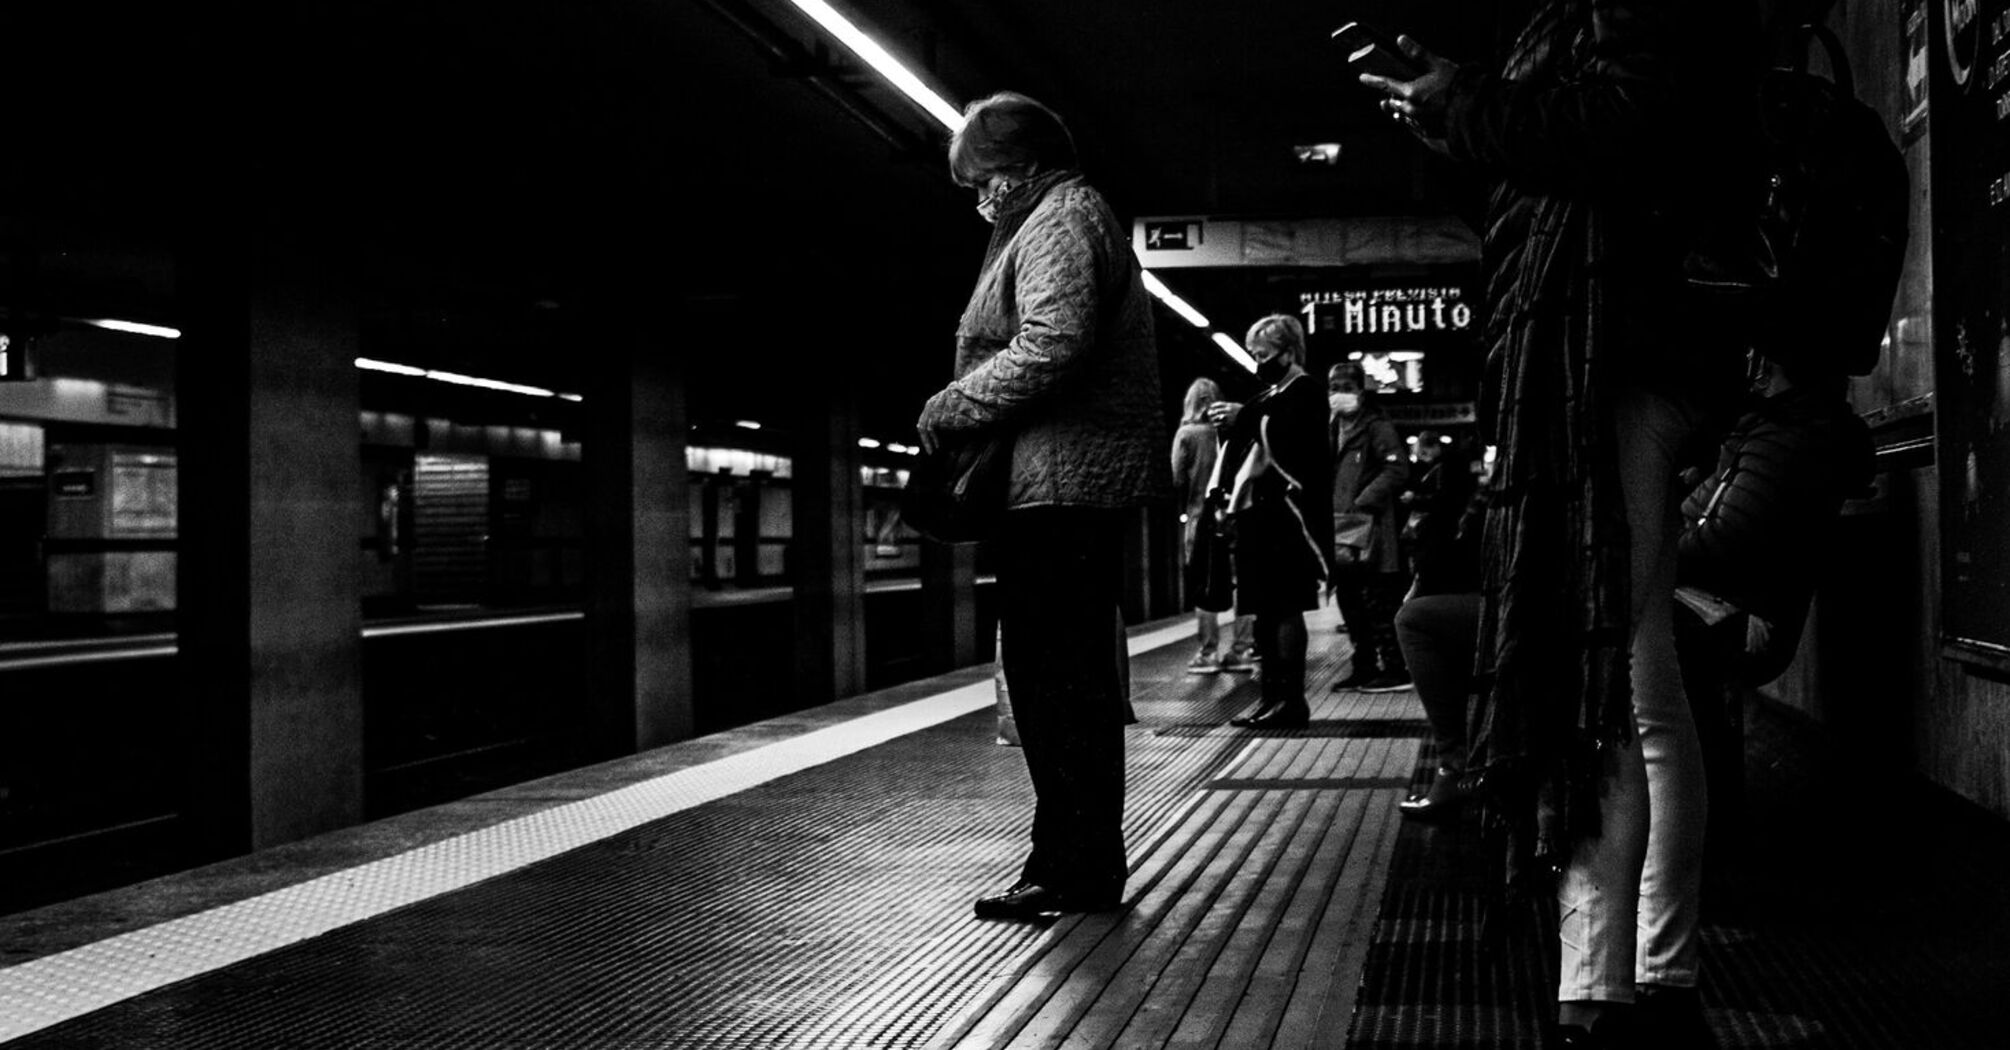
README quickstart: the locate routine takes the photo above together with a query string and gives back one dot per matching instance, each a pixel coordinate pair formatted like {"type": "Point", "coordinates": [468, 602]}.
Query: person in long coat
{"type": "Point", "coordinates": [1609, 127]}
{"type": "Point", "coordinates": [1056, 350]}
{"type": "Point", "coordinates": [1370, 471]}
{"type": "Point", "coordinates": [1277, 471]}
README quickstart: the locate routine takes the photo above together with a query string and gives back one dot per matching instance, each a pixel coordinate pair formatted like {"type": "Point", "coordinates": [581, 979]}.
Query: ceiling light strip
{"type": "Point", "coordinates": [879, 59]}
{"type": "Point", "coordinates": [458, 379]}
{"type": "Point", "coordinates": [1173, 302]}
{"type": "Point", "coordinates": [1235, 351]}
{"type": "Point", "coordinates": [134, 327]}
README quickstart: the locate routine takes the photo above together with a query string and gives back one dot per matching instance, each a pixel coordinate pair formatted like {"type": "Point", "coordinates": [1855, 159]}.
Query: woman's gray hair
{"type": "Point", "coordinates": [1201, 394]}
{"type": "Point", "coordinates": [1282, 331]}
{"type": "Point", "coordinates": [1008, 132]}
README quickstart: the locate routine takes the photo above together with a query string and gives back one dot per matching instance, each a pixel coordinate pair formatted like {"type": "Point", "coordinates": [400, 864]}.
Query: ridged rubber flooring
{"type": "Point", "coordinates": [1276, 900]}
{"type": "Point", "coordinates": [827, 908]}
{"type": "Point", "coordinates": [1846, 909]}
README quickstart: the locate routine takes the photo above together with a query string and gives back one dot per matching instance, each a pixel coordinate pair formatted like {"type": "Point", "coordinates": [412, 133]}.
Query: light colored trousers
{"type": "Point", "coordinates": [1628, 901]}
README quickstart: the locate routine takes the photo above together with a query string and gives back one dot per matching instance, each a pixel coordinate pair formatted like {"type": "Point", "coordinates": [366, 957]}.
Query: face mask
{"type": "Point", "coordinates": [1272, 370]}
{"type": "Point", "coordinates": [988, 206]}
{"type": "Point", "coordinates": [1345, 404]}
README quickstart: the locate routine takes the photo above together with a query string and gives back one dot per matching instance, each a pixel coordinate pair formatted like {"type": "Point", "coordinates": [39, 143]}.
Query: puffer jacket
{"type": "Point", "coordinates": [1056, 344]}
{"type": "Point", "coordinates": [1757, 531]}
{"type": "Point", "coordinates": [1370, 469]}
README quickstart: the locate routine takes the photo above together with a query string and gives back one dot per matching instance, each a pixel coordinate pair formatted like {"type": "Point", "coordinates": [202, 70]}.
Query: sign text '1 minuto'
{"type": "Point", "coordinates": [1387, 311]}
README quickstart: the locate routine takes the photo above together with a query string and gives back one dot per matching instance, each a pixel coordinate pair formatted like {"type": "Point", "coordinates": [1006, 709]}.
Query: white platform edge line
{"type": "Point", "coordinates": [53, 989]}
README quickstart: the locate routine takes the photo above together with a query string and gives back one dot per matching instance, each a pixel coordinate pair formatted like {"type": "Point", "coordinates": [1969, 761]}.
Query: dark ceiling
{"type": "Point", "coordinates": [494, 169]}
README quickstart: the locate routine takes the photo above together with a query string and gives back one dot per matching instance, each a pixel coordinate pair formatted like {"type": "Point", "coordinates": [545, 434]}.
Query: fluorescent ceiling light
{"type": "Point", "coordinates": [868, 442]}
{"type": "Point", "coordinates": [877, 57]}
{"type": "Point", "coordinates": [456, 378]}
{"type": "Point", "coordinates": [746, 424]}
{"type": "Point", "coordinates": [1173, 302]}
{"type": "Point", "coordinates": [385, 366]}
{"type": "Point", "coordinates": [135, 327]}
{"type": "Point", "coordinates": [1235, 351]}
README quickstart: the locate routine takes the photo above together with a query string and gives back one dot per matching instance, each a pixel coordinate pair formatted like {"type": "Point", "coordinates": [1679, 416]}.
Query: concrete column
{"type": "Point", "coordinates": [948, 605]}
{"type": "Point", "coordinates": [639, 591]}
{"type": "Point", "coordinates": [826, 557]}
{"type": "Point", "coordinates": [269, 607]}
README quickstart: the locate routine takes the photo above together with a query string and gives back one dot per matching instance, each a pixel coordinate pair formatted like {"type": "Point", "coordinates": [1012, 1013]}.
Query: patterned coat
{"type": "Point", "coordinates": [1057, 345]}
{"type": "Point", "coordinates": [1595, 134]}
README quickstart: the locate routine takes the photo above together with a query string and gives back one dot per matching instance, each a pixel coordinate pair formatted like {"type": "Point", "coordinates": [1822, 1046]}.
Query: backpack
{"type": "Point", "coordinates": [1811, 268]}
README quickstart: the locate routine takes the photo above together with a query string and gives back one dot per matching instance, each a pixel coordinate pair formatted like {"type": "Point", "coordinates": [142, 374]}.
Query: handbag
{"type": "Point", "coordinates": [1353, 534]}
{"type": "Point", "coordinates": [957, 493]}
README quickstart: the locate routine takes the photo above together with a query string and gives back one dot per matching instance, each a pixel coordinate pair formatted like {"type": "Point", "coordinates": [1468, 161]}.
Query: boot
{"type": "Point", "coordinates": [1284, 705]}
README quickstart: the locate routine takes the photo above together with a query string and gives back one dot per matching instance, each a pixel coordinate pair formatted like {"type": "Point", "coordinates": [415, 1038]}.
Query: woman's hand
{"type": "Point", "coordinates": [934, 419]}
{"type": "Point", "coordinates": [1224, 413]}
{"type": "Point", "coordinates": [1418, 103]}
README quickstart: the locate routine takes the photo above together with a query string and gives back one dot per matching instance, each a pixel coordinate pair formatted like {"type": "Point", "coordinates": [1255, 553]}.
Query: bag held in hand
{"type": "Point", "coordinates": [1353, 534]}
{"type": "Point", "coordinates": [957, 493]}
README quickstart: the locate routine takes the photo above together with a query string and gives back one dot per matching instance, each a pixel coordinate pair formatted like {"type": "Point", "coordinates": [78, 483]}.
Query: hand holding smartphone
{"type": "Point", "coordinates": [1372, 51]}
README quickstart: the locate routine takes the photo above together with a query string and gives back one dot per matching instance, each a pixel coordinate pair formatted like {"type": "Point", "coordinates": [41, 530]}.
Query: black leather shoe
{"type": "Point", "coordinates": [1283, 716]}
{"type": "Point", "coordinates": [1030, 900]}
{"type": "Point", "coordinates": [1670, 1018]}
{"type": "Point", "coordinates": [1439, 801]}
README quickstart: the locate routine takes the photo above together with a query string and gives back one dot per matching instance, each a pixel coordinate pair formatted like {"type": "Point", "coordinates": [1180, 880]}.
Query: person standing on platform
{"type": "Point", "coordinates": [1370, 471]}
{"type": "Point", "coordinates": [1274, 470]}
{"type": "Point", "coordinates": [1056, 350]}
{"type": "Point", "coordinates": [1609, 130]}
{"type": "Point", "coordinates": [1209, 577]}
{"type": "Point", "coordinates": [1438, 625]}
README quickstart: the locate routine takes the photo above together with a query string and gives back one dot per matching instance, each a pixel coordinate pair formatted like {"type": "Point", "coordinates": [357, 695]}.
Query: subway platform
{"type": "Point", "coordinates": [806, 882]}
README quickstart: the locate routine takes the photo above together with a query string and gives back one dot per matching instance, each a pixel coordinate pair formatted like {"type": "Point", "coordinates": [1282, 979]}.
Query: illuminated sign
{"type": "Point", "coordinates": [1387, 311]}
{"type": "Point", "coordinates": [13, 359]}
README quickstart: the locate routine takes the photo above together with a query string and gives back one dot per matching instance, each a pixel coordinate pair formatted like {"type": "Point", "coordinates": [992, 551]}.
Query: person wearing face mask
{"type": "Point", "coordinates": [1370, 471]}
{"type": "Point", "coordinates": [1055, 350]}
{"type": "Point", "coordinates": [1273, 473]}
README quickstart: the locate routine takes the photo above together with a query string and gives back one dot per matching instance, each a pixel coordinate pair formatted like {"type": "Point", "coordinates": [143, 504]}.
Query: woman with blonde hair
{"type": "Point", "coordinates": [1277, 471]}
{"type": "Point", "coordinates": [1209, 578]}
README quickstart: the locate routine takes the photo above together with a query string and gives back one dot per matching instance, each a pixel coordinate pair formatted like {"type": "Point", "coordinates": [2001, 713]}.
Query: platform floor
{"type": "Point", "coordinates": [807, 883]}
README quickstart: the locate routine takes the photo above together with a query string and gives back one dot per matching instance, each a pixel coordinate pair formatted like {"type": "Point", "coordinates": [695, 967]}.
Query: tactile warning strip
{"type": "Point", "coordinates": [47, 991]}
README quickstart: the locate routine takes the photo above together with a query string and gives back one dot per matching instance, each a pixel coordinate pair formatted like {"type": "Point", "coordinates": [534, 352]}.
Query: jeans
{"type": "Point", "coordinates": [1628, 900]}
{"type": "Point", "coordinates": [1060, 578]}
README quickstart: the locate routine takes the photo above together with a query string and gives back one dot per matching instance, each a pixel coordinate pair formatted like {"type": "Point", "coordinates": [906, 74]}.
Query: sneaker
{"type": "Point", "coordinates": [1386, 682]}
{"type": "Point", "coordinates": [1240, 660]}
{"type": "Point", "coordinates": [1356, 678]}
{"type": "Point", "coordinates": [1204, 662]}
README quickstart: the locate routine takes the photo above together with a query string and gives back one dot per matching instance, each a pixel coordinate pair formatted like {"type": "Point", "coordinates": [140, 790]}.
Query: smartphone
{"type": "Point", "coordinates": [1371, 51]}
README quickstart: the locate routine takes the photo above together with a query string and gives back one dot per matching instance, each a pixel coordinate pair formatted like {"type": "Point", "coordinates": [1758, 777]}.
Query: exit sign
{"type": "Point", "coordinates": [1172, 236]}
{"type": "Point", "coordinates": [13, 359]}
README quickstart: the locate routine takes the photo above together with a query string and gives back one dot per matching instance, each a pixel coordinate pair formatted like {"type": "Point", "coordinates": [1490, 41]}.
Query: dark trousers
{"type": "Point", "coordinates": [1368, 602]}
{"type": "Point", "coordinates": [1060, 579]}
{"type": "Point", "coordinates": [1438, 633]}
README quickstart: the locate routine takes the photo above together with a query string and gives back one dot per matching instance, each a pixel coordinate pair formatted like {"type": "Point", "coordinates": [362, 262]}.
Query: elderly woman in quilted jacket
{"type": "Point", "coordinates": [1605, 130]}
{"type": "Point", "coordinates": [1056, 349]}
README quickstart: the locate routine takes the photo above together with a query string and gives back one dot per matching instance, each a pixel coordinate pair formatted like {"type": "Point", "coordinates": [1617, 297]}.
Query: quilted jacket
{"type": "Point", "coordinates": [1057, 345]}
{"type": "Point", "coordinates": [1757, 531]}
